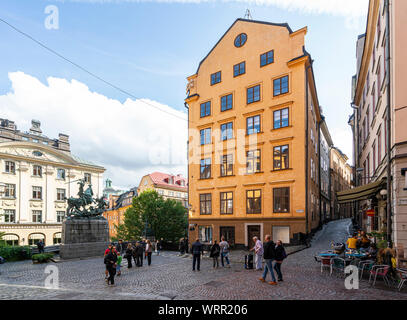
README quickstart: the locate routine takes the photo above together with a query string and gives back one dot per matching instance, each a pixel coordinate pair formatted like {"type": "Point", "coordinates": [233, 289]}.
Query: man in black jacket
{"type": "Point", "coordinates": [269, 256]}
{"type": "Point", "coordinates": [196, 251]}
{"type": "Point", "coordinates": [139, 252]}
{"type": "Point", "coordinates": [110, 261]}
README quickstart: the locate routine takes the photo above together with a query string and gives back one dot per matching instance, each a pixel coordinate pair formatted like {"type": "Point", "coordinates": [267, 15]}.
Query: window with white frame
{"type": "Point", "coordinates": [37, 193]}
{"type": "Point", "coordinates": [60, 216]}
{"type": "Point", "coordinates": [37, 171]}
{"type": "Point", "coordinates": [60, 194]}
{"type": "Point", "coordinates": [37, 216]}
{"type": "Point", "coordinates": [10, 191]}
{"type": "Point", "coordinates": [10, 167]}
{"type": "Point", "coordinates": [88, 178]}
{"type": "Point", "coordinates": [205, 234]}
{"type": "Point", "coordinates": [9, 215]}
{"type": "Point", "coordinates": [61, 174]}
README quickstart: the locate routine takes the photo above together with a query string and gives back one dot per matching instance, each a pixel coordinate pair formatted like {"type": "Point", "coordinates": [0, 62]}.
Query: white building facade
{"type": "Point", "coordinates": [35, 179]}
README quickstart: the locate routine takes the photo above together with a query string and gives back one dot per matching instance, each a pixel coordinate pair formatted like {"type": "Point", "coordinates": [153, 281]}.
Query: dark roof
{"type": "Point", "coordinates": [285, 25]}
{"type": "Point", "coordinates": [361, 36]}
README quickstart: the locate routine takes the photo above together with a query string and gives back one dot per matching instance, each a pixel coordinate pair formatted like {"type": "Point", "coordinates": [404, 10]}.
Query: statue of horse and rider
{"type": "Point", "coordinates": [82, 207]}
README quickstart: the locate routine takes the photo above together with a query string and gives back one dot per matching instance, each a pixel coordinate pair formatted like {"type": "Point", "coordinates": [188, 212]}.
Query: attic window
{"type": "Point", "coordinates": [240, 40]}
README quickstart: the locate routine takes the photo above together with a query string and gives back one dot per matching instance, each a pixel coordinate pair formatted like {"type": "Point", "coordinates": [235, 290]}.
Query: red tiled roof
{"type": "Point", "coordinates": [162, 179]}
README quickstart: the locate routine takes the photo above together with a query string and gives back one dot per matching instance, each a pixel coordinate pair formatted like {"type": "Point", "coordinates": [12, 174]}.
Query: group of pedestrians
{"type": "Point", "coordinates": [271, 252]}
{"type": "Point", "coordinates": [113, 257]}
{"type": "Point", "coordinates": [215, 251]}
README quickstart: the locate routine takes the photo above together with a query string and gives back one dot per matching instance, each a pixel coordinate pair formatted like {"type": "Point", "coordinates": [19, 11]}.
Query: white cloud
{"type": "Point", "coordinates": [342, 138]}
{"type": "Point", "coordinates": [346, 8]}
{"type": "Point", "coordinates": [129, 139]}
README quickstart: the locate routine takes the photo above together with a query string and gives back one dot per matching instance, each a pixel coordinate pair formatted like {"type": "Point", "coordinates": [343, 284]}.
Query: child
{"type": "Point", "coordinates": [119, 262]}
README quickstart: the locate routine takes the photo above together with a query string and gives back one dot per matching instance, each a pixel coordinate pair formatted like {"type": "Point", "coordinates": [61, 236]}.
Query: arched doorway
{"type": "Point", "coordinates": [11, 239]}
{"type": "Point", "coordinates": [57, 238]}
{"type": "Point", "coordinates": [34, 238]}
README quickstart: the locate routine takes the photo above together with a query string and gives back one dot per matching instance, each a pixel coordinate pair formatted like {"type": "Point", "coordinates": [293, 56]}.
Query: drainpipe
{"type": "Point", "coordinates": [306, 149]}
{"type": "Point", "coordinates": [389, 211]}
{"type": "Point", "coordinates": [187, 234]}
{"type": "Point", "coordinates": [319, 171]}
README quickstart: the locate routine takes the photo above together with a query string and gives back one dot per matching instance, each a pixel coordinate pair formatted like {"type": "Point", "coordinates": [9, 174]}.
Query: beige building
{"type": "Point", "coordinates": [341, 180]}
{"type": "Point", "coordinates": [36, 174]}
{"type": "Point", "coordinates": [378, 122]}
{"type": "Point", "coordinates": [167, 185]}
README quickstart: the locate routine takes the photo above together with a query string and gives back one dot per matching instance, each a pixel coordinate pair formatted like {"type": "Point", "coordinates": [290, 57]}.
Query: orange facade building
{"type": "Point", "coordinates": [253, 137]}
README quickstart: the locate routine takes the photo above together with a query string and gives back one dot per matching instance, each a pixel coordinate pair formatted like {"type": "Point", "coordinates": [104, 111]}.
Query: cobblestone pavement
{"type": "Point", "coordinates": [171, 277]}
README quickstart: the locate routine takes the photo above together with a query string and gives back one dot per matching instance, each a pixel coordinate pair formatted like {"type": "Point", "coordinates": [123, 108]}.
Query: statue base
{"type": "Point", "coordinates": [82, 238]}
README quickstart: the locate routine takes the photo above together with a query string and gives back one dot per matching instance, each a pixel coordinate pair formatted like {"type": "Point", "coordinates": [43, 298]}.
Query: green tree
{"type": "Point", "coordinates": [2, 241]}
{"type": "Point", "coordinates": [161, 218]}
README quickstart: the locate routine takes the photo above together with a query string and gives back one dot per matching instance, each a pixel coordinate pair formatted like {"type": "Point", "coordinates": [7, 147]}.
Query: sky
{"type": "Point", "coordinates": [147, 49]}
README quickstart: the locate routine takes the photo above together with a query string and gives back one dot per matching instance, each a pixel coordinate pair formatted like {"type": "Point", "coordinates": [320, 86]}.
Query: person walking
{"type": "Point", "coordinates": [196, 251]}
{"type": "Point", "coordinates": [40, 246]}
{"type": "Point", "coordinates": [159, 246]}
{"type": "Point", "coordinates": [149, 251]}
{"type": "Point", "coordinates": [119, 263]}
{"type": "Point", "coordinates": [109, 248]}
{"type": "Point", "coordinates": [224, 252]}
{"type": "Point", "coordinates": [121, 246]}
{"type": "Point", "coordinates": [129, 255]}
{"type": "Point", "coordinates": [139, 252]}
{"type": "Point", "coordinates": [279, 257]}
{"type": "Point", "coordinates": [181, 246]}
{"type": "Point", "coordinates": [258, 250]}
{"type": "Point", "coordinates": [269, 256]}
{"type": "Point", "coordinates": [215, 251]}
{"type": "Point", "coordinates": [110, 261]}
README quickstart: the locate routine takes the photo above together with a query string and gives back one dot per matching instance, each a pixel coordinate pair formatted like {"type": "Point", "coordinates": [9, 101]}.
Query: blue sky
{"type": "Point", "coordinates": [149, 48]}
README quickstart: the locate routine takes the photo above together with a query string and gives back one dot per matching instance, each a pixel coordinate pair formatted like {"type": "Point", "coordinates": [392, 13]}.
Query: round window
{"type": "Point", "coordinates": [240, 40]}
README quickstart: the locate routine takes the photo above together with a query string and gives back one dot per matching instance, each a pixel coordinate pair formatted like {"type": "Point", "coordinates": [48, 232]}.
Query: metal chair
{"type": "Point", "coordinates": [338, 264]}
{"type": "Point", "coordinates": [365, 265]}
{"type": "Point", "coordinates": [382, 271]}
{"type": "Point", "coordinates": [325, 263]}
{"type": "Point", "coordinates": [403, 278]}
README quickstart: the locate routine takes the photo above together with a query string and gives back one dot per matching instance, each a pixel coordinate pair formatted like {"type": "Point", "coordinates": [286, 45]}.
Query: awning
{"type": "Point", "coordinates": [361, 193]}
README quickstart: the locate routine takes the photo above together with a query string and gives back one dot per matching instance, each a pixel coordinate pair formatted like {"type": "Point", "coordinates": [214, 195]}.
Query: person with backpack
{"type": "Point", "coordinates": [279, 256]}
{"type": "Point", "coordinates": [224, 252]}
{"type": "Point", "coordinates": [110, 262]}
{"type": "Point", "coordinates": [215, 251]}
{"type": "Point", "coordinates": [269, 256]}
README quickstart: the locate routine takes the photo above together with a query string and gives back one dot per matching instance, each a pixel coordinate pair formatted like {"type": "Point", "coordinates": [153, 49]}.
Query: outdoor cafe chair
{"type": "Point", "coordinates": [382, 271]}
{"type": "Point", "coordinates": [403, 278]}
{"type": "Point", "coordinates": [365, 265]}
{"type": "Point", "coordinates": [338, 264]}
{"type": "Point", "coordinates": [325, 263]}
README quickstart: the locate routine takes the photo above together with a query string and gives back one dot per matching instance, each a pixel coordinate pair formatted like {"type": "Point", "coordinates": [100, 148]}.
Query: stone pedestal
{"type": "Point", "coordinates": [82, 238]}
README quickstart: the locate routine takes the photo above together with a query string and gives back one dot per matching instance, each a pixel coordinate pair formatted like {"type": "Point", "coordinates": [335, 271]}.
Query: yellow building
{"type": "Point", "coordinates": [253, 137]}
{"type": "Point", "coordinates": [118, 206]}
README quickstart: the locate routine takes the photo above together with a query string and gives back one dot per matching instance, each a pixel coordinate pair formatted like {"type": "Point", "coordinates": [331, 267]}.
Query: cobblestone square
{"type": "Point", "coordinates": [171, 277]}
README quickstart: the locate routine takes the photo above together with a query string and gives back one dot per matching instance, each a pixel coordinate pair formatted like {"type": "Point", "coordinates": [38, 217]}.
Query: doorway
{"type": "Point", "coordinates": [228, 233]}
{"type": "Point", "coordinates": [253, 231]}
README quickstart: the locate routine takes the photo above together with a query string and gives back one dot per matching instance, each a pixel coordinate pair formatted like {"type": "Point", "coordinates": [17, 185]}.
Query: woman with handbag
{"type": "Point", "coordinates": [215, 252]}
{"type": "Point", "coordinates": [149, 251]}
